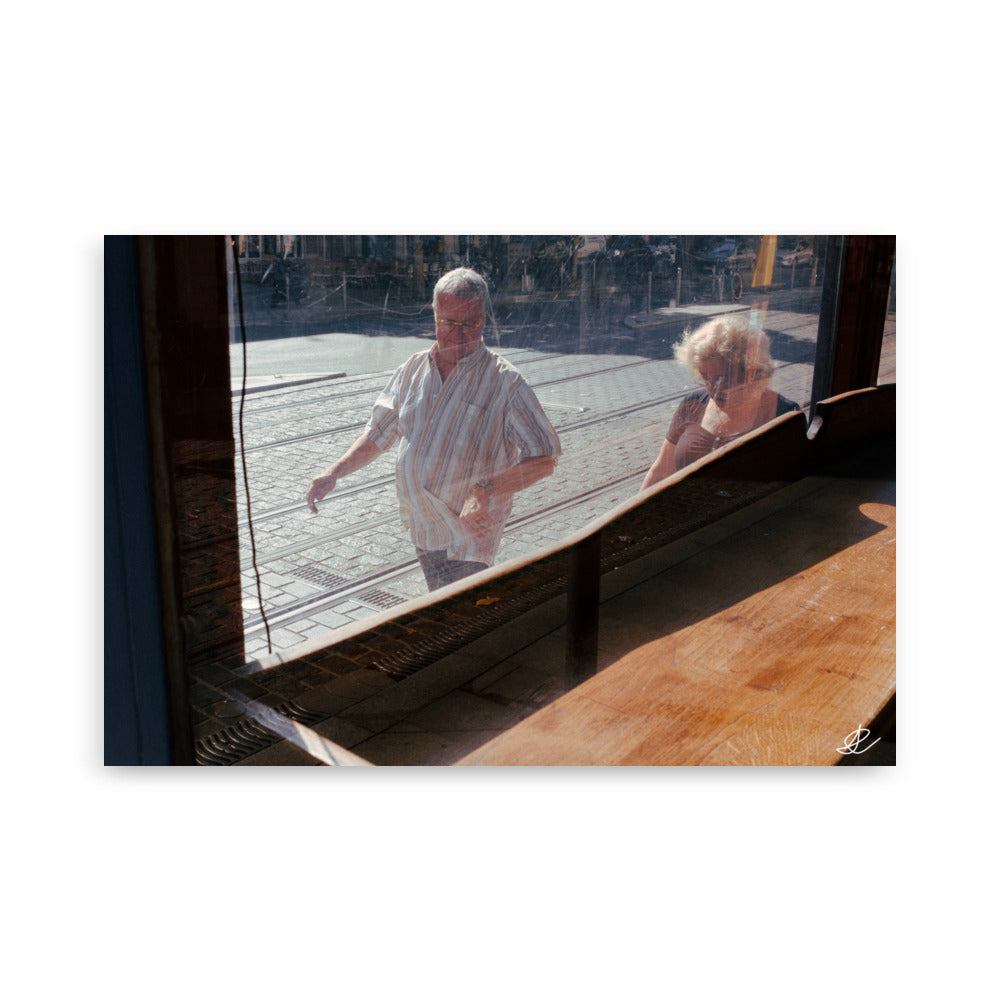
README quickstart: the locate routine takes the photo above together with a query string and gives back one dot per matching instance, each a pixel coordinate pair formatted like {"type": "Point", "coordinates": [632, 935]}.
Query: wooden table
{"type": "Point", "coordinates": [770, 646]}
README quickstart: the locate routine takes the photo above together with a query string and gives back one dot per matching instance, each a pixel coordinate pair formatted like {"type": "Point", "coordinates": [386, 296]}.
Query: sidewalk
{"type": "Point", "coordinates": [262, 383]}
{"type": "Point", "coordinates": [754, 300]}
{"type": "Point", "coordinates": [285, 361]}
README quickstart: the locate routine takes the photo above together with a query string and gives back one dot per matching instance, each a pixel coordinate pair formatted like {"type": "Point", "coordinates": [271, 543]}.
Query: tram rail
{"type": "Point", "coordinates": [359, 425]}
{"type": "Point", "coordinates": [379, 378]}
{"type": "Point", "coordinates": [255, 624]}
{"type": "Point", "coordinates": [567, 428]}
{"type": "Point", "coordinates": [341, 394]}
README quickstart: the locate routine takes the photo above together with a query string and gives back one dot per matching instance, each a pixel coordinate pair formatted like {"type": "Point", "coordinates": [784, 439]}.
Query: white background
{"type": "Point", "coordinates": [526, 117]}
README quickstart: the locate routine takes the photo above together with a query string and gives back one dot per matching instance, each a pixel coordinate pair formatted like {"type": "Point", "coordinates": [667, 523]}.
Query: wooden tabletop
{"type": "Point", "coordinates": [770, 646]}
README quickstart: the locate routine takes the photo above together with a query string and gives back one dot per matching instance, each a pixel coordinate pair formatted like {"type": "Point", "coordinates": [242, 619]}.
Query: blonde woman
{"type": "Point", "coordinates": [733, 362]}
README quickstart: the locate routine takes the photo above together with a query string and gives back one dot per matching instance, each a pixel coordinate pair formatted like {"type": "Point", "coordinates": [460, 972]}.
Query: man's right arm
{"type": "Point", "coordinates": [363, 451]}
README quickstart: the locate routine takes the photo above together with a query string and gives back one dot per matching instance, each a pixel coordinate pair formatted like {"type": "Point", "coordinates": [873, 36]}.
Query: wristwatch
{"type": "Point", "coordinates": [486, 485]}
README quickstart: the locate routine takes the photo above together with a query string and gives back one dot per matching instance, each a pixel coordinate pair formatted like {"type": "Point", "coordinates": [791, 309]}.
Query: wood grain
{"type": "Point", "coordinates": [769, 647]}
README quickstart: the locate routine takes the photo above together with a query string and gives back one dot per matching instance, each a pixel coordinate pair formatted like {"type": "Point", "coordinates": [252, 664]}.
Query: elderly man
{"type": "Point", "coordinates": [471, 434]}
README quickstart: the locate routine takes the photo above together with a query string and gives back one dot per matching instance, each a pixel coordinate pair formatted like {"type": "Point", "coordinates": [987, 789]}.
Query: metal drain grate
{"type": "Point", "coordinates": [246, 737]}
{"type": "Point", "coordinates": [380, 598]}
{"type": "Point", "coordinates": [330, 581]}
{"type": "Point", "coordinates": [320, 577]}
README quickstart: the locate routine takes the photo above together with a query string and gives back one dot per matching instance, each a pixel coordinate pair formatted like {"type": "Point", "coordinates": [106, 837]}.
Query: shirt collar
{"type": "Point", "coordinates": [467, 361]}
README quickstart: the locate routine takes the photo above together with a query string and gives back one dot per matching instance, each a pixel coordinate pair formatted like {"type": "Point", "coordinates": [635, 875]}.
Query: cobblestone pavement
{"type": "Point", "coordinates": [610, 409]}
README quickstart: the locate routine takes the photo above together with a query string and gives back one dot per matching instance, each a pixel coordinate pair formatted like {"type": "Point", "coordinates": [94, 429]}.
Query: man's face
{"type": "Point", "coordinates": [458, 325]}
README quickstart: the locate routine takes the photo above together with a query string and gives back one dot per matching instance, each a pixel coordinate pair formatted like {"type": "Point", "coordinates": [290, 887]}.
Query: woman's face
{"type": "Point", "coordinates": [731, 384]}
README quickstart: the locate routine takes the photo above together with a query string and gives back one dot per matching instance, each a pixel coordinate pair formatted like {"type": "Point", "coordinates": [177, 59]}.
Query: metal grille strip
{"type": "Point", "coordinates": [246, 737]}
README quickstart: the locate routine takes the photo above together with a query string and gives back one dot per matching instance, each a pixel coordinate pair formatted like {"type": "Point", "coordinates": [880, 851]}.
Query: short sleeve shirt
{"type": "Point", "coordinates": [480, 421]}
{"type": "Point", "coordinates": [691, 441]}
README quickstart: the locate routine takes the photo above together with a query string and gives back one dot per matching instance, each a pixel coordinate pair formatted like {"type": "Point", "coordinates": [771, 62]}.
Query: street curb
{"type": "Point", "coordinates": [284, 385]}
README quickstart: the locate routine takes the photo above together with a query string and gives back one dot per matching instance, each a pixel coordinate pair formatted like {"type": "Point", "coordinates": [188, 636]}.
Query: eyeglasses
{"type": "Point", "coordinates": [455, 324]}
{"type": "Point", "coordinates": [740, 376]}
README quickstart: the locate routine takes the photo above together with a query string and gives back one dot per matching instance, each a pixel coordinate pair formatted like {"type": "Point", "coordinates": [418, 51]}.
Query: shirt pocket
{"type": "Point", "coordinates": [467, 430]}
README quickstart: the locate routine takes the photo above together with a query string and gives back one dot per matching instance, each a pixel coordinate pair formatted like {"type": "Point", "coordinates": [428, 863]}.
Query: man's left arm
{"type": "Point", "coordinates": [527, 426]}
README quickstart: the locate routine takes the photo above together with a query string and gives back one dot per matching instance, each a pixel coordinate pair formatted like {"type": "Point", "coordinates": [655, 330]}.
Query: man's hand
{"type": "Point", "coordinates": [363, 451]}
{"type": "Point", "coordinates": [475, 516]}
{"type": "Point", "coordinates": [319, 488]}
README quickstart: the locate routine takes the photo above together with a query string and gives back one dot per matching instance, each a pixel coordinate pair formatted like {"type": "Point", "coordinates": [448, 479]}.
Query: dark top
{"type": "Point", "coordinates": [691, 441]}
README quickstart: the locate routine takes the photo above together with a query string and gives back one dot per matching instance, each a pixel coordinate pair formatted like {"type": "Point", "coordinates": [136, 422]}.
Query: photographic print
{"type": "Point", "coordinates": [516, 499]}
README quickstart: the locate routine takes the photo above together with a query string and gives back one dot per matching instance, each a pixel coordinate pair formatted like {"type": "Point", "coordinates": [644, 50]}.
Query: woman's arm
{"type": "Point", "coordinates": [662, 467]}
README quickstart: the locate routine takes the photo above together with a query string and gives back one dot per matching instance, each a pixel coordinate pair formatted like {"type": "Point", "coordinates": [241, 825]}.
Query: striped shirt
{"type": "Point", "coordinates": [478, 423]}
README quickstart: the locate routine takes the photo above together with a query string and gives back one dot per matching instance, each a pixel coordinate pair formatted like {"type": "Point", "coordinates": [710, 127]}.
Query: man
{"type": "Point", "coordinates": [471, 434]}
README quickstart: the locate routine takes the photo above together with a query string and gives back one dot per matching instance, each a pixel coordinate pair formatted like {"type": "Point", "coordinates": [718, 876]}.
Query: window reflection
{"type": "Point", "coordinates": [591, 322]}
{"type": "Point", "coordinates": [732, 360]}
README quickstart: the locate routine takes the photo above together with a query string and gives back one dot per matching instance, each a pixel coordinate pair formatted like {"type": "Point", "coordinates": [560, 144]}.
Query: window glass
{"type": "Point", "coordinates": [590, 322]}
{"type": "Point", "coordinates": [887, 359]}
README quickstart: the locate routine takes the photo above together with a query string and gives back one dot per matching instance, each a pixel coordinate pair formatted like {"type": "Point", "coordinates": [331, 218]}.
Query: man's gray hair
{"type": "Point", "coordinates": [463, 283]}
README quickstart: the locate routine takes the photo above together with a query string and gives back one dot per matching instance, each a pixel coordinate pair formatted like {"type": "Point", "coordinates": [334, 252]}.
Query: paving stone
{"type": "Point", "coordinates": [405, 747]}
{"type": "Point", "coordinates": [284, 637]}
{"type": "Point", "coordinates": [345, 734]}
{"type": "Point", "coordinates": [256, 647]}
{"type": "Point", "coordinates": [282, 599]}
{"type": "Point", "coordinates": [330, 619]}
{"type": "Point", "coordinates": [315, 631]}
{"type": "Point", "coordinates": [527, 687]}
{"type": "Point", "coordinates": [462, 711]}
{"type": "Point", "coordinates": [281, 754]}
